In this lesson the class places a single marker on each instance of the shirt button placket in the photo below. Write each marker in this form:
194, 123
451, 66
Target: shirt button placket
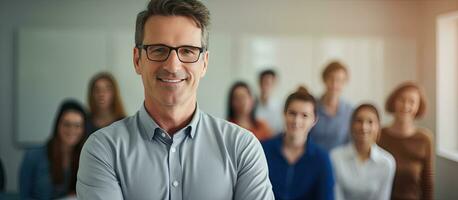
175, 173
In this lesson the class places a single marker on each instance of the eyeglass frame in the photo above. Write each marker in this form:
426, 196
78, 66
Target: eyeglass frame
146, 46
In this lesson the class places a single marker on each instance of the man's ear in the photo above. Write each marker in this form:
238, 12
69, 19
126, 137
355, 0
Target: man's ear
136, 59
206, 58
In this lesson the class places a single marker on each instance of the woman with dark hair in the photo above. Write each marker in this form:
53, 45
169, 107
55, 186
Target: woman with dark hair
49, 172
241, 111
411, 146
298, 168
105, 103
362, 169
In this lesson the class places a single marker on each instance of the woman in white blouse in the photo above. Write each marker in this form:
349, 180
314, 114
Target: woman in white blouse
362, 169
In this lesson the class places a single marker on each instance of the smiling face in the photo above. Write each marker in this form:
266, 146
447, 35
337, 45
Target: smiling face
71, 128
406, 104
299, 119
171, 82
365, 127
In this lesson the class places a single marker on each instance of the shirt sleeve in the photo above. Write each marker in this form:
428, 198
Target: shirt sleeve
96, 176
427, 172
326, 183
25, 175
252, 173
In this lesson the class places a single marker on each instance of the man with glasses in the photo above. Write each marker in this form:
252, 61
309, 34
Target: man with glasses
171, 149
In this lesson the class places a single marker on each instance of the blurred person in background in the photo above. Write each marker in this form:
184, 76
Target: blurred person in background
362, 169
105, 104
298, 168
268, 108
49, 171
411, 146
241, 111
334, 113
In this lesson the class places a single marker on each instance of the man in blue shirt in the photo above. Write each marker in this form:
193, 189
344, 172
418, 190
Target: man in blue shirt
170, 149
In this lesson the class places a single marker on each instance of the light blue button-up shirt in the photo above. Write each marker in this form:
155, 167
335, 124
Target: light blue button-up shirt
332, 131
208, 159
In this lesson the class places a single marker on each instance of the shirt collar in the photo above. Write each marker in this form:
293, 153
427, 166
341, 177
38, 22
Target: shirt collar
152, 128
374, 154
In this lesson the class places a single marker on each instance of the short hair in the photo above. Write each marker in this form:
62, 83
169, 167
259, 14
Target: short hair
389, 105
267, 72
117, 106
333, 67
193, 9
301, 94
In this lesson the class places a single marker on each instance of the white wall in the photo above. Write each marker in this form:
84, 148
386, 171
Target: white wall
404, 30
446, 176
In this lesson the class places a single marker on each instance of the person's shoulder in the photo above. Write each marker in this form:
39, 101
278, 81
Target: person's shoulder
114, 134
319, 151
118, 129
35, 151
36, 154
231, 135
346, 105
424, 134
271, 142
222, 127
385, 156
340, 152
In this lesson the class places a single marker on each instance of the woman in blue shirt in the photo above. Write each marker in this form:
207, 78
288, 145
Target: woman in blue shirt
49, 172
298, 168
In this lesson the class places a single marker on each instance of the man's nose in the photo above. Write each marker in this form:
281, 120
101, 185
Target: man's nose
172, 64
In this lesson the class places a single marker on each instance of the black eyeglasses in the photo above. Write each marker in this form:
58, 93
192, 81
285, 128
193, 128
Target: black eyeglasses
161, 52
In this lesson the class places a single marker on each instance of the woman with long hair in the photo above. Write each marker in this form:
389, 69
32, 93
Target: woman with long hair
362, 169
105, 105
49, 171
411, 146
241, 111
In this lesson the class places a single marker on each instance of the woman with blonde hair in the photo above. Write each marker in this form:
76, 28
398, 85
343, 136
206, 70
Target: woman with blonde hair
105, 103
412, 147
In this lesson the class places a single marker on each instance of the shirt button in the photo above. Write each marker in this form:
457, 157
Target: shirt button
175, 183
163, 134
173, 149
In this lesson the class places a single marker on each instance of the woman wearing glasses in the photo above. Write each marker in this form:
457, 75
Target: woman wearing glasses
49, 172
